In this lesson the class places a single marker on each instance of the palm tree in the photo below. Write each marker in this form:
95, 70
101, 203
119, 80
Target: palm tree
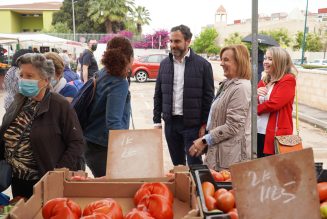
109, 12
141, 16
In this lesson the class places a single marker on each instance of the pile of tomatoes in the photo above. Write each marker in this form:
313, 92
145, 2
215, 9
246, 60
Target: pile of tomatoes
152, 201
220, 199
221, 176
322, 191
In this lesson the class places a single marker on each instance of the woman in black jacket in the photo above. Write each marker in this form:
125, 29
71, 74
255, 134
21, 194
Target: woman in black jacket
39, 131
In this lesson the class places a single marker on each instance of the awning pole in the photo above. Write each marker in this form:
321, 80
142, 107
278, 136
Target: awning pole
254, 80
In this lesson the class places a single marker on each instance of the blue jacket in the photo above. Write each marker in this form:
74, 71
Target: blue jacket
198, 91
69, 75
110, 110
68, 91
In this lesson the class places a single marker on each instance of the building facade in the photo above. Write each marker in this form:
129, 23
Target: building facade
32, 17
293, 22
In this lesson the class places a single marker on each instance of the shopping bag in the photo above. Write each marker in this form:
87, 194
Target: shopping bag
287, 143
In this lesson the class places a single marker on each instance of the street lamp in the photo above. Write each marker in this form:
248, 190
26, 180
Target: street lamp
304, 33
74, 32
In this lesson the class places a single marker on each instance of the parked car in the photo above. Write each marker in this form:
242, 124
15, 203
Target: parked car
147, 67
321, 62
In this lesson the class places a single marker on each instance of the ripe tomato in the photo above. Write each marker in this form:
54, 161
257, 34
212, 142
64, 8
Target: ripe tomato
153, 188
61, 208
226, 202
208, 189
211, 202
106, 206
138, 214
218, 177
226, 174
219, 192
96, 216
322, 191
78, 178
158, 206
233, 215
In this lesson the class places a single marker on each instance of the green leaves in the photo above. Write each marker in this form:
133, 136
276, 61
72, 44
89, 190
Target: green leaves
94, 16
206, 42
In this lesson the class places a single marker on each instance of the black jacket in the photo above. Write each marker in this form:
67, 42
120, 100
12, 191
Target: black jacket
198, 90
56, 136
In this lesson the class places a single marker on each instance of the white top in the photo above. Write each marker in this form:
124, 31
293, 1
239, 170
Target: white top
178, 86
262, 120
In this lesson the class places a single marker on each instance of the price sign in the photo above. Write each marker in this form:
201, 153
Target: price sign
279, 186
135, 154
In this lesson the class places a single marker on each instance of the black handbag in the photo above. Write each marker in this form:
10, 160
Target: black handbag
6, 175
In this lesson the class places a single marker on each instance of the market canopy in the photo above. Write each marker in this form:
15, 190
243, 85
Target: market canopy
34, 38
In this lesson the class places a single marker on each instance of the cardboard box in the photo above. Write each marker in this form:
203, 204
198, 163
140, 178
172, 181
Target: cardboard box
54, 185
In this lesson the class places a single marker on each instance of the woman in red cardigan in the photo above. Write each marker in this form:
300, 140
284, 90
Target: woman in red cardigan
276, 93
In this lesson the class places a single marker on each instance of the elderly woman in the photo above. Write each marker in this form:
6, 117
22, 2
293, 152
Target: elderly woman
276, 93
40, 131
229, 122
111, 105
58, 82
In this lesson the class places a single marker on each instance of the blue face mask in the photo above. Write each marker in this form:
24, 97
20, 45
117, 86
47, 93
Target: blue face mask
53, 82
28, 87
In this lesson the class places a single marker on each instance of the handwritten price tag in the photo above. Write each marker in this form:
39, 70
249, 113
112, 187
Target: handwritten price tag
280, 186
135, 154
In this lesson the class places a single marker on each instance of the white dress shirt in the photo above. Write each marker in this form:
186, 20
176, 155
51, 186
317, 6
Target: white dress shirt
178, 86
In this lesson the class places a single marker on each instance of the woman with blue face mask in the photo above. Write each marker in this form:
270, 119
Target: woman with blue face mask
40, 131
58, 82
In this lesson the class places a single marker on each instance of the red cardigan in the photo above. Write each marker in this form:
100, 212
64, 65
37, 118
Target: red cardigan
281, 102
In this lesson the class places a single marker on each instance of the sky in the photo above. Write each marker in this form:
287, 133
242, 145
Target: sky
165, 14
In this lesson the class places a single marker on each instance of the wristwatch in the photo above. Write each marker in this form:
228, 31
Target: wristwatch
204, 141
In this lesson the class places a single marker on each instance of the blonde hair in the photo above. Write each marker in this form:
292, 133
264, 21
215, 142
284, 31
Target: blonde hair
242, 59
57, 61
281, 64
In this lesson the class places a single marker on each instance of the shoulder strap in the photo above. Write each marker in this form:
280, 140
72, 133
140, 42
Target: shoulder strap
297, 113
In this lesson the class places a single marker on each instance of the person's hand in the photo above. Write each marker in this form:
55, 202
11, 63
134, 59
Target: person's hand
202, 131
262, 91
197, 148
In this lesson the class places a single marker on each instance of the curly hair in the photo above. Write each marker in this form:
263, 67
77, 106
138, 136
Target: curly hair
117, 56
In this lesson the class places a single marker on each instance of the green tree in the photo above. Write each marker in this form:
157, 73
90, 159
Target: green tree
206, 41
234, 38
59, 27
280, 35
83, 23
110, 12
141, 17
313, 42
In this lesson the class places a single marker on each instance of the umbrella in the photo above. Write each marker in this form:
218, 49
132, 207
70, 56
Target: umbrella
262, 40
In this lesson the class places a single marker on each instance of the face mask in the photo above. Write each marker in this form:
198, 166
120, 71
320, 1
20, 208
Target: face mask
94, 47
28, 87
53, 82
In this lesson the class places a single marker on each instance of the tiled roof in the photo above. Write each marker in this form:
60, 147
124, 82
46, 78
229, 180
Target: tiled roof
322, 10
34, 6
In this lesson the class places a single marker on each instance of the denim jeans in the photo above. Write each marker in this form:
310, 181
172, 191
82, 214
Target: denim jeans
179, 140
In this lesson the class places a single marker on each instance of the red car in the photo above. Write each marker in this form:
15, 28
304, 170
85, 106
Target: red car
147, 67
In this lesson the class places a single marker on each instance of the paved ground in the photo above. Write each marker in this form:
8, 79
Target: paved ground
142, 105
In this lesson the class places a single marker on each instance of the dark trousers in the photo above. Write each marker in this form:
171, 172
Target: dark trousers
179, 140
96, 159
24, 188
260, 146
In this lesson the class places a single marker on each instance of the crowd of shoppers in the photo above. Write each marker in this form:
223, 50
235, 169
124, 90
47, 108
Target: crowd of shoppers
198, 122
